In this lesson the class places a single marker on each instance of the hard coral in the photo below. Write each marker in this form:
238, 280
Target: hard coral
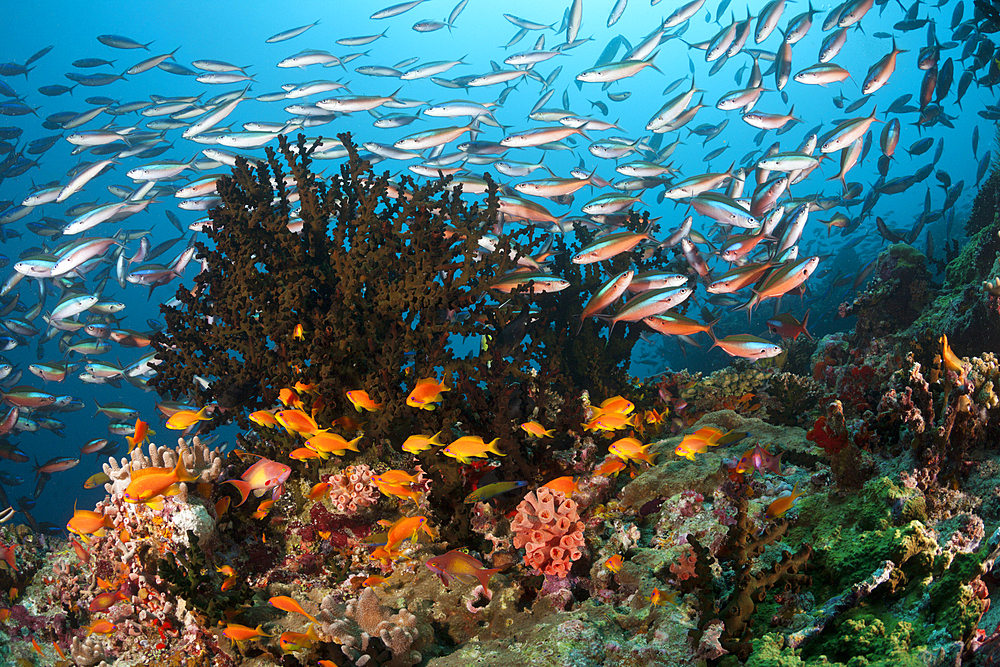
548, 526
352, 490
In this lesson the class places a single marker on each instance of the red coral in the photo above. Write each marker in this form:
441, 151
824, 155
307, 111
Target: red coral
829, 439
547, 525
684, 568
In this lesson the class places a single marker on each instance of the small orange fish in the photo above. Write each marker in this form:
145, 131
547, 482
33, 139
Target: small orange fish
262, 509
81, 551
140, 436
360, 399
86, 522
288, 398
327, 444
184, 419
777, 508
426, 394
471, 446
372, 580
285, 603
614, 563
305, 387
566, 485
264, 418
537, 430
241, 633
105, 601
299, 332
4, 615
59, 651
298, 641
611, 466
296, 421
615, 404
407, 528
457, 564
231, 576
38, 649
304, 454
318, 489
421, 443
152, 482
102, 627
222, 505
630, 449
659, 598
611, 421
698, 442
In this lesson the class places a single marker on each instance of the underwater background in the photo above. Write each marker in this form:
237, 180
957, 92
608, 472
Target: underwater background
688, 359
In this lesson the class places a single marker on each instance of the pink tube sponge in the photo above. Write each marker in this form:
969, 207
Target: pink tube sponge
548, 526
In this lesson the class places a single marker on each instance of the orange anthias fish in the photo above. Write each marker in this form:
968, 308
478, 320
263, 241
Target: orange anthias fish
102, 627
537, 430
566, 485
614, 563
658, 598
241, 633
140, 436
264, 418
285, 603
262, 509
698, 442
318, 489
86, 522
327, 444
298, 641
611, 466
611, 421
459, 565
263, 475
299, 332
289, 398
184, 419
471, 446
304, 454
360, 399
150, 483
421, 443
616, 404
426, 394
783, 504
630, 449
231, 576
105, 601
296, 421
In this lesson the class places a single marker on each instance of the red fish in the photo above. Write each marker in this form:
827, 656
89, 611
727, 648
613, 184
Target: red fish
786, 326
459, 565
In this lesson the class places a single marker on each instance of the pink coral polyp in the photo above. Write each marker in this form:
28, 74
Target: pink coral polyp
548, 527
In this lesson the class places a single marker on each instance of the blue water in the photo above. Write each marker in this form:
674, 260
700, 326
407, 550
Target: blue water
235, 32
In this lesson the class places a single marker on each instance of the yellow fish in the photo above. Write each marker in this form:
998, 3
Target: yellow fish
630, 449
421, 443
537, 430
426, 394
777, 509
183, 419
698, 442
360, 399
150, 483
296, 421
326, 443
471, 446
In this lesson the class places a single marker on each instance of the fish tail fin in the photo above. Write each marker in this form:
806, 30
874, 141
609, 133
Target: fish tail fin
181, 472
242, 487
805, 323
435, 439
485, 574
492, 447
